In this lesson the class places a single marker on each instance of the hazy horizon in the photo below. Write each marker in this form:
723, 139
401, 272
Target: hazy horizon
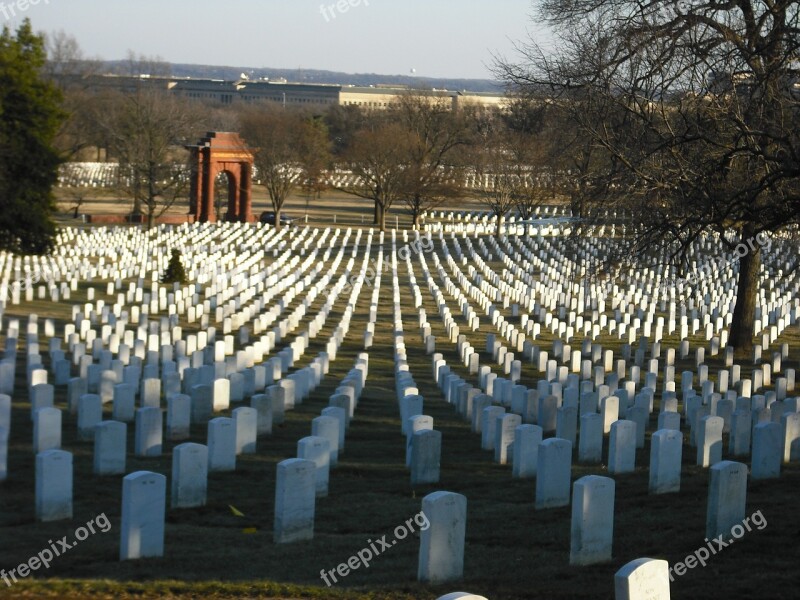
440, 39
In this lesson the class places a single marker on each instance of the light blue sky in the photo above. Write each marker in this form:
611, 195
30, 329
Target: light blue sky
438, 38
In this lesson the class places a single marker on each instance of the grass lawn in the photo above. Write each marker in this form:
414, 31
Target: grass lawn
512, 551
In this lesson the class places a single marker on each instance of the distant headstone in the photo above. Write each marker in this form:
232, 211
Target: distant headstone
124, 402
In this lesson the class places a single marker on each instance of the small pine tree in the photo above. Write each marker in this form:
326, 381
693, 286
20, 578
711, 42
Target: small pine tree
175, 272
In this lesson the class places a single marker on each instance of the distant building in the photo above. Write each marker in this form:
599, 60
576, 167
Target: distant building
221, 92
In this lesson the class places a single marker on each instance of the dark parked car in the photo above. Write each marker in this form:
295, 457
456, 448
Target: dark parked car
268, 218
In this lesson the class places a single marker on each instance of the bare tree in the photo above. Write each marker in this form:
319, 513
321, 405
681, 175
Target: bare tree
146, 132
290, 149
435, 131
495, 173
69, 69
314, 155
694, 107
77, 196
377, 157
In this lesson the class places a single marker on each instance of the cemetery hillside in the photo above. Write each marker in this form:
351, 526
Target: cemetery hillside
278, 339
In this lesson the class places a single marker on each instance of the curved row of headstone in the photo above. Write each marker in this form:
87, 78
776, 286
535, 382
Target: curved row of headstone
192, 340
301, 480
718, 323
90, 411
423, 442
782, 384
89, 174
186, 493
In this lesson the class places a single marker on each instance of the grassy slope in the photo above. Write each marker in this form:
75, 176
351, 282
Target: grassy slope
512, 550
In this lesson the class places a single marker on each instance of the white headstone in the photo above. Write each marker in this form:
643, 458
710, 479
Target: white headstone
489, 425
179, 417
767, 451
189, 475
791, 440
124, 402
144, 501
53, 485
553, 473
622, 447
151, 393
263, 407
149, 432
592, 530
317, 450
526, 451
666, 446
642, 579
328, 428
709, 441
221, 445
110, 447
340, 415
277, 396
505, 428
426, 450
90, 413
416, 423
727, 495
590, 440
441, 543
245, 420
221, 395
295, 496
46, 429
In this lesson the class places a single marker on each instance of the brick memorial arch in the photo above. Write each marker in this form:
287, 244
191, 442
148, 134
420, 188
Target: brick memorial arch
221, 152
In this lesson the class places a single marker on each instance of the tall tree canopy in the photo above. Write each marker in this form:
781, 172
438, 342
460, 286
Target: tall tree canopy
694, 107
30, 117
